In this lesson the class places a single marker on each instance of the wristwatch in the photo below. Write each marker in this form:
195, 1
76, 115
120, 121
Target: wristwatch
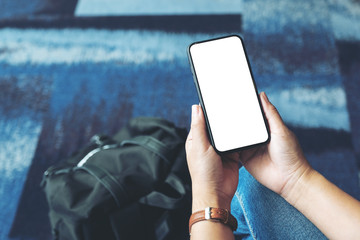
214, 214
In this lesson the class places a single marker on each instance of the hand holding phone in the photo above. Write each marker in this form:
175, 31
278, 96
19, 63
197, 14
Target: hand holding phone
228, 94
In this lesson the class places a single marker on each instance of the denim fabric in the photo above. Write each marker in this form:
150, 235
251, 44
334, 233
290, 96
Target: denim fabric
263, 214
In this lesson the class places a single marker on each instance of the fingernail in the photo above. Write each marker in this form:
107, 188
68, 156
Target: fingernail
266, 98
194, 112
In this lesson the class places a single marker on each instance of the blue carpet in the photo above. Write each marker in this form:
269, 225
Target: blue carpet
61, 86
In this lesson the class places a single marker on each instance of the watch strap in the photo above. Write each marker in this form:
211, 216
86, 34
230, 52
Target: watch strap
214, 214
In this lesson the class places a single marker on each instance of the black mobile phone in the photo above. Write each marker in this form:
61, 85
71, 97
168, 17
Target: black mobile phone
228, 94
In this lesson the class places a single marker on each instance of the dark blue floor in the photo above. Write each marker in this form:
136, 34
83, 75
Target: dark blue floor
61, 86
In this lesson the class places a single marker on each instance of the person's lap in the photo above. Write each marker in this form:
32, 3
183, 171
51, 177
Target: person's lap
263, 214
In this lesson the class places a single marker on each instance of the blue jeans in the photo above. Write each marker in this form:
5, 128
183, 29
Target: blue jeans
263, 214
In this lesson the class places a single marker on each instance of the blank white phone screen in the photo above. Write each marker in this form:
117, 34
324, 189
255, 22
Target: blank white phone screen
228, 93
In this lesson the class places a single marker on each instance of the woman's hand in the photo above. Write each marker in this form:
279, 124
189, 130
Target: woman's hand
277, 165
280, 164
214, 178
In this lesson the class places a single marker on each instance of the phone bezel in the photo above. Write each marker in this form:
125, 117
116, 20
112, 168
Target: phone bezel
203, 104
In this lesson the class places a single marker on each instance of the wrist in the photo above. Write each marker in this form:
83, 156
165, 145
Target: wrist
200, 202
298, 185
219, 215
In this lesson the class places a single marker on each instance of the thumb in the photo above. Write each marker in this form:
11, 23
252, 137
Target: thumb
198, 129
275, 121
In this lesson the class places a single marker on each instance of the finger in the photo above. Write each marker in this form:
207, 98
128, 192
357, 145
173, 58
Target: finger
275, 121
198, 128
188, 142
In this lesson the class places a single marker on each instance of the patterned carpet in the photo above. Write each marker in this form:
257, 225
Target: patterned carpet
59, 86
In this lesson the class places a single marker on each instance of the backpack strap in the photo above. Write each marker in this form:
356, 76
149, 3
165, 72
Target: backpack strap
162, 200
150, 143
107, 180
156, 198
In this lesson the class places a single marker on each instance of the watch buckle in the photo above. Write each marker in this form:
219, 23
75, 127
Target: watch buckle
208, 213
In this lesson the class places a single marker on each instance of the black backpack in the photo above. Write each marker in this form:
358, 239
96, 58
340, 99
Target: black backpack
134, 185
